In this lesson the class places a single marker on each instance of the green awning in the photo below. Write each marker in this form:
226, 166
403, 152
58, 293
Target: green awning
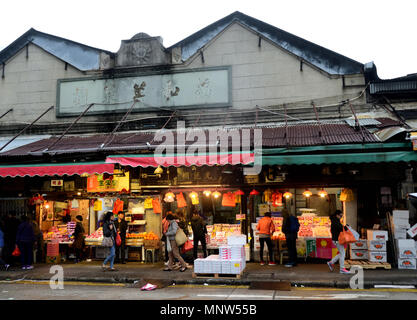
306, 159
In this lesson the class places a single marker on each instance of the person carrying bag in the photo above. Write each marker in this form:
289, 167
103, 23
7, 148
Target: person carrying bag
172, 246
109, 240
337, 230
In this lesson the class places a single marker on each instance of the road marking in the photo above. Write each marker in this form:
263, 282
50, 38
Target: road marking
71, 283
234, 296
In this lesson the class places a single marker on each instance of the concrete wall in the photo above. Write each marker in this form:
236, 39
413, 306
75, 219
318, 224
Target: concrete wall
29, 86
269, 75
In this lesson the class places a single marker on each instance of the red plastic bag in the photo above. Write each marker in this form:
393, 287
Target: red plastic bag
156, 205
118, 240
16, 252
118, 206
188, 245
346, 236
229, 199
181, 203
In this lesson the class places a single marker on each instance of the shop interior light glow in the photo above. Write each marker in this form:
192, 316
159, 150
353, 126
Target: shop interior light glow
207, 193
47, 205
287, 195
159, 170
307, 193
193, 195
322, 193
216, 194
169, 197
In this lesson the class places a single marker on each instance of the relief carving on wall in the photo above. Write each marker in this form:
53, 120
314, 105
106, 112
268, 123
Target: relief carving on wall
138, 90
169, 91
142, 54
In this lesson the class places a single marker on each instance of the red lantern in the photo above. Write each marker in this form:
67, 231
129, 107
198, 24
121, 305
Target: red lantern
254, 192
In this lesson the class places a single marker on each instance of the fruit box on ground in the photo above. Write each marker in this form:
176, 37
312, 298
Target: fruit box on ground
377, 234
359, 245
359, 254
406, 249
377, 245
377, 256
406, 263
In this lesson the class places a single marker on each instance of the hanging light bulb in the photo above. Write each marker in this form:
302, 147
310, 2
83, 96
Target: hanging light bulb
216, 194
307, 193
47, 205
193, 195
322, 193
159, 170
287, 195
169, 197
207, 193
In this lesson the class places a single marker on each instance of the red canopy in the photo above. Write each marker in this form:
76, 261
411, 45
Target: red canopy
59, 169
181, 160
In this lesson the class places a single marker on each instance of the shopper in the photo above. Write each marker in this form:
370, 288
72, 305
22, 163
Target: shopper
39, 243
266, 228
25, 239
11, 224
290, 227
173, 251
2, 262
109, 230
335, 228
79, 239
199, 234
121, 227
165, 225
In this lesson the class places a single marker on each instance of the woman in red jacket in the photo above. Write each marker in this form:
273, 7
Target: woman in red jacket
266, 228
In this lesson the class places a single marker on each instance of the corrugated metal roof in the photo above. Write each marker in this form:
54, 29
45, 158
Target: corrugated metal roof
363, 122
392, 86
298, 135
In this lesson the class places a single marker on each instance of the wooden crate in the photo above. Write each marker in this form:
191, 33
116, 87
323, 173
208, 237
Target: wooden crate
151, 244
367, 264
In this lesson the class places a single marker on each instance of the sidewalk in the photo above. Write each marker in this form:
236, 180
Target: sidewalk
308, 275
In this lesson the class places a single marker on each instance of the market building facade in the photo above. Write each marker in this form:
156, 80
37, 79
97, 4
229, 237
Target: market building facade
309, 114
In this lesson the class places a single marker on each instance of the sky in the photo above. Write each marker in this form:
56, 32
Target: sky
381, 31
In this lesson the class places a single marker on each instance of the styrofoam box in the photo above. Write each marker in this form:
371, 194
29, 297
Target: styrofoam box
236, 240
401, 223
400, 235
402, 214
406, 263
377, 245
359, 254
406, 249
199, 265
359, 245
377, 234
405, 243
377, 256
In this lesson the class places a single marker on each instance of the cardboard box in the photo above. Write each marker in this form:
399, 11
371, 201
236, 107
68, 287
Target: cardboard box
359, 254
359, 245
407, 253
151, 244
406, 263
237, 240
377, 256
412, 232
401, 214
377, 234
405, 243
377, 245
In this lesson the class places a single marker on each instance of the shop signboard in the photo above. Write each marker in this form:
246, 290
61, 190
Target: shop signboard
57, 183
97, 183
311, 248
324, 248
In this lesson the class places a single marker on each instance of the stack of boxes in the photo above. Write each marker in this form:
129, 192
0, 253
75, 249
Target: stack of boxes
377, 245
406, 247
231, 258
359, 250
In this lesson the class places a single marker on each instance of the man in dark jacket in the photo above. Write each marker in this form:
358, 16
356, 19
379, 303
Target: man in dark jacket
11, 223
290, 228
79, 239
121, 226
25, 238
199, 234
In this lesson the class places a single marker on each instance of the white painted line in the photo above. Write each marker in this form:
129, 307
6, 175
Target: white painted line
233, 296
394, 286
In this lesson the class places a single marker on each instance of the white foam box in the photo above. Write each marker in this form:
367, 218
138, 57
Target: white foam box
359, 245
377, 245
406, 249
401, 214
412, 232
401, 223
199, 265
377, 256
406, 263
359, 254
377, 234
236, 266
239, 240
226, 267
400, 234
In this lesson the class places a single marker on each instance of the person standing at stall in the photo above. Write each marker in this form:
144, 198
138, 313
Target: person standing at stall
79, 242
266, 228
109, 230
336, 228
11, 224
2, 262
173, 251
199, 234
290, 227
121, 227
25, 239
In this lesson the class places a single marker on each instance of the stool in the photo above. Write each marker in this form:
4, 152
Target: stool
282, 253
152, 252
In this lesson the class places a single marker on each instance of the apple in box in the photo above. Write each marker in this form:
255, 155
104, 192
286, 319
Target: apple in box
359, 245
406, 263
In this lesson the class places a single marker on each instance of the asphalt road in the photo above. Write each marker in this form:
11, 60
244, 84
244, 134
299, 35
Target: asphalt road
92, 291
